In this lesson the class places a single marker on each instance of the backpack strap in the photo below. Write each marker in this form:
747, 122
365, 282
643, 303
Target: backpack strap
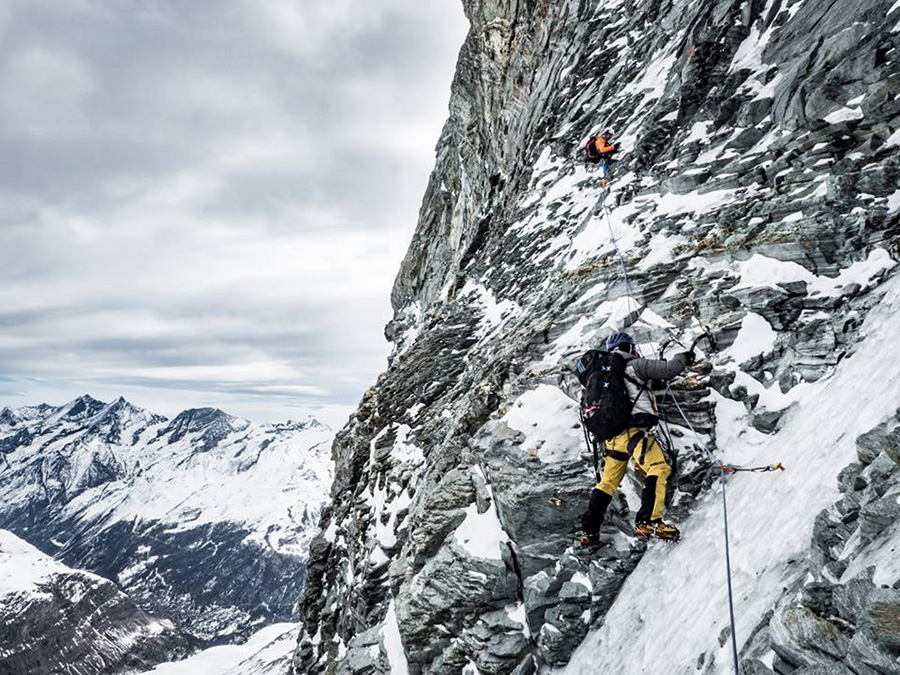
591, 443
642, 387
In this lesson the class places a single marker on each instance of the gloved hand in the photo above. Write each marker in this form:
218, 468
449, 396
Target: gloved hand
689, 357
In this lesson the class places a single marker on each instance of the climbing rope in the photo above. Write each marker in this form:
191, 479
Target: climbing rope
722, 474
629, 296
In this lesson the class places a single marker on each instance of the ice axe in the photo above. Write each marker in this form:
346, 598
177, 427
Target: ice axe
705, 335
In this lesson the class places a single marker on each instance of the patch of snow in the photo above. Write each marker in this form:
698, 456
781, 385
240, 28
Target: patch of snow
893, 140
756, 336
691, 202
749, 53
330, 532
495, 313
393, 643
470, 669
655, 75
662, 248
516, 613
761, 271
699, 131
583, 579
651, 318
711, 155
591, 292
572, 338
893, 201
843, 115
404, 451
595, 239
764, 91
544, 414
481, 534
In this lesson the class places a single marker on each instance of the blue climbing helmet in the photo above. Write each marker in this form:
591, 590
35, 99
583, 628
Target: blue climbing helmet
616, 340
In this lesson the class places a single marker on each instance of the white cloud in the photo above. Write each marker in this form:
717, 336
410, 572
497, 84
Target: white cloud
44, 93
211, 199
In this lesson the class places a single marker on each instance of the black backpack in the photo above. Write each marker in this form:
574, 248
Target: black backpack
605, 404
592, 154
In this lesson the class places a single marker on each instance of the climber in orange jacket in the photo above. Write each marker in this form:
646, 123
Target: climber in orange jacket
600, 151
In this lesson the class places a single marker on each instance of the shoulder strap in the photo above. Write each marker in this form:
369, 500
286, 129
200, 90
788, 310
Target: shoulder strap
641, 387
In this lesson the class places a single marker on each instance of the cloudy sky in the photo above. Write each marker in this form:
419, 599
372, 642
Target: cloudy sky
205, 202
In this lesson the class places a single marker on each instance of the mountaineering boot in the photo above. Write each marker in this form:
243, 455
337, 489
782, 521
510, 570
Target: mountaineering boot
658, 529
587, 540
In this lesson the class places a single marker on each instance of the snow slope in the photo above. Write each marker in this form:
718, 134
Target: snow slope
267, 652
673, 607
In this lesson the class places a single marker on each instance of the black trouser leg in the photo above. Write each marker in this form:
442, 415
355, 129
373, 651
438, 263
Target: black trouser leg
648, 499
593, 517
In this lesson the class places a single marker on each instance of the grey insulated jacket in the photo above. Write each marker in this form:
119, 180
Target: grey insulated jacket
644, 371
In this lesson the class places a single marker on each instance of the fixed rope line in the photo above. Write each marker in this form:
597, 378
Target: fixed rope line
734, 651
628, 294
722, 473
731, 468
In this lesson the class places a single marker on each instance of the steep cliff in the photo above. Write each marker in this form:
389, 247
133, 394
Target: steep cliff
757, 194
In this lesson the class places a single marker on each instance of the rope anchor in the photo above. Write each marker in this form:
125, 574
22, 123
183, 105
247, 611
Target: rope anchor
729, 469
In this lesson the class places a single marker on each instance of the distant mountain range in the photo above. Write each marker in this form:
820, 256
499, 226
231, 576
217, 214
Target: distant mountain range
203, 520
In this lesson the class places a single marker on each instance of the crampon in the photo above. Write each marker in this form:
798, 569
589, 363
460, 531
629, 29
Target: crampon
657, 529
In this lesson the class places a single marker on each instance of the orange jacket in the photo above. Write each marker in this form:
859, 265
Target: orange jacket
603, 146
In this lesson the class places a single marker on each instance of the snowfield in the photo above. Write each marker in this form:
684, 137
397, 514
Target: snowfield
267, 652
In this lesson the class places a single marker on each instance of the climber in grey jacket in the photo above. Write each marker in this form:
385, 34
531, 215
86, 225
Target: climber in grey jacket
638, 443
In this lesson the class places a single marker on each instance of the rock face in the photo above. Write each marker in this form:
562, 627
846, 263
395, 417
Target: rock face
204, 519
54, 619
756, 194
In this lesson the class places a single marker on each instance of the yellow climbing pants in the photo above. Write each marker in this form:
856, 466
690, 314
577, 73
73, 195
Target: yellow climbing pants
649, 460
